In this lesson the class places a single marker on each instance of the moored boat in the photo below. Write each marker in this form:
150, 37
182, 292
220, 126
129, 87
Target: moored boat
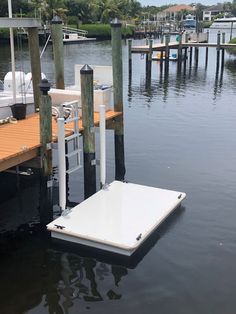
224, 23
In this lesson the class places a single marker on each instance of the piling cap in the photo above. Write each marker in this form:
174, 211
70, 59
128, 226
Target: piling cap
86, 69
116, 23
56, 20
44, 86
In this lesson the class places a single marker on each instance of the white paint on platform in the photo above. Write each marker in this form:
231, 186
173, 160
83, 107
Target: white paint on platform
117, 219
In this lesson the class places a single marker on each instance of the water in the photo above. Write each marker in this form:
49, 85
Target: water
179, 134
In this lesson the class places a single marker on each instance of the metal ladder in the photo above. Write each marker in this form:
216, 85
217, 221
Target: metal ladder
67, 112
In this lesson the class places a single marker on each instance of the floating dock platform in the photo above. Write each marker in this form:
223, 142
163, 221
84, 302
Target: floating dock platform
118, 218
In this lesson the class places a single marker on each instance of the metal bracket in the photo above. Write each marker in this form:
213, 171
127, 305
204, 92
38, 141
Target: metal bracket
50, 184
49, 146
54, 145
93, 162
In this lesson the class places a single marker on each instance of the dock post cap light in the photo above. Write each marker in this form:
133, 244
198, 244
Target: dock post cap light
115, 23
44, 86
56, 20
86, 69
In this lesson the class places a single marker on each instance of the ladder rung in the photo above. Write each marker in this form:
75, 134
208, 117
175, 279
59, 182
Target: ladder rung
71, 137
75, 152
69, 171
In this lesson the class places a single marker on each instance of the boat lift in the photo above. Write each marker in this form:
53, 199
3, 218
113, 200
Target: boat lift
120, 216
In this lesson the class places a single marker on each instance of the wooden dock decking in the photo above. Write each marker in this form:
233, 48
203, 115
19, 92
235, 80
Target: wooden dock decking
20, 142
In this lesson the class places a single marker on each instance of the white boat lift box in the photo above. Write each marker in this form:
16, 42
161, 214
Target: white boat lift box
118, 218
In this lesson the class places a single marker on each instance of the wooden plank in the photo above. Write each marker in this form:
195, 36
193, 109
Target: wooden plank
11, 162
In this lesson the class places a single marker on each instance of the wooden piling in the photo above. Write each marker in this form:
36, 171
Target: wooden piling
196, 56
45, 116
190, 56
118, 98
58, 51
231, 31
35, 64
186, 37
162, 40
130, 55
86, 75
167, 40
149, 59
218, 50
223, 51
180, 48
206, 58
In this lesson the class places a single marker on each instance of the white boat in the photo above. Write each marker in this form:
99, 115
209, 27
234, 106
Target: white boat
23, 95
224, 23
75, 36
71, 38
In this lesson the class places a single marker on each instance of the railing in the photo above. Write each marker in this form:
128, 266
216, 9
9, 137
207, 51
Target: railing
71, 30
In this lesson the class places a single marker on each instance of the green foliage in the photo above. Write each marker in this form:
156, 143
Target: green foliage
97, 30
104, 30
232, 51
4, 33
206, 24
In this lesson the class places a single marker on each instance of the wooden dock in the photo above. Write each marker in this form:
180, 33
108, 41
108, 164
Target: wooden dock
20, 142
145, 49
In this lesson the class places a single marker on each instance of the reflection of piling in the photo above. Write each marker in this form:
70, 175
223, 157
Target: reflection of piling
35, 64
58, 51
118, 98
86, 74
218, 50
45, 114
130, 55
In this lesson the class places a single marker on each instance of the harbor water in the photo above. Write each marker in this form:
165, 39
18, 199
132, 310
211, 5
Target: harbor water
179, 134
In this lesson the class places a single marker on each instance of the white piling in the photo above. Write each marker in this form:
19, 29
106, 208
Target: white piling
61, 163
102, 129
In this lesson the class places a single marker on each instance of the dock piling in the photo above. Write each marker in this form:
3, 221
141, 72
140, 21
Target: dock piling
190, 56
149, 60
35, 64
58, 51
118, 98
130, 55
180, 49
45, 114
223, 51
218, 50
167, 40
86, 75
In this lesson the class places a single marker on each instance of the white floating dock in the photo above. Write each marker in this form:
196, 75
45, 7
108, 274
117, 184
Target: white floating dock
117, 219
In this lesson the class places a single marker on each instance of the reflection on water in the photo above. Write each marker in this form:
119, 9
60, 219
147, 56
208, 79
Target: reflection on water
179, 134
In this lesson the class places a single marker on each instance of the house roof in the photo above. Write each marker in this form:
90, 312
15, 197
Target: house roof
178, 8
215, 8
